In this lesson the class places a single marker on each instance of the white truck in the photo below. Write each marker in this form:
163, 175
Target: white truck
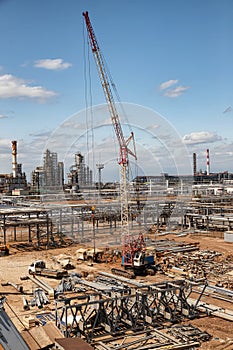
38, 267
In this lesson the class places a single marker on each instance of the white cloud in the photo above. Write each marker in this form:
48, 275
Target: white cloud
177, 91
167, 84
5, 143
11, 86
152, 127
41, 134
201, 137
2, 116
227, 110
52, 64
29, 155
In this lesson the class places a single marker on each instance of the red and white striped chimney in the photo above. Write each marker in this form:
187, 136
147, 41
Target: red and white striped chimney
207, 162
14, 157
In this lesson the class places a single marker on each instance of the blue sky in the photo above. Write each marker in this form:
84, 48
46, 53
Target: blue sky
170, 56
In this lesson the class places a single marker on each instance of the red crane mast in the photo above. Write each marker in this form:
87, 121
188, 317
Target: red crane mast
129, 245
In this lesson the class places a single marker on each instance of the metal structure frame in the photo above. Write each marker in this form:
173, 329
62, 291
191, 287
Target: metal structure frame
94, 313
144, 340
48, 223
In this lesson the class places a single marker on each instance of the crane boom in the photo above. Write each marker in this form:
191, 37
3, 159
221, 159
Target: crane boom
124, 150
123, 143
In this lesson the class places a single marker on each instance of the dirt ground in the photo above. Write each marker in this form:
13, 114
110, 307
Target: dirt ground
16, 264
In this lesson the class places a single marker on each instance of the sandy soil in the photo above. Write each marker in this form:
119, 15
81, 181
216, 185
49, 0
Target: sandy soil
15, 266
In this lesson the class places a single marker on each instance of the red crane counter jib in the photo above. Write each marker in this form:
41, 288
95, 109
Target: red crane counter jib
124, 150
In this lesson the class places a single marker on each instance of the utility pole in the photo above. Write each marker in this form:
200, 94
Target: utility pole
99, 167
93, 228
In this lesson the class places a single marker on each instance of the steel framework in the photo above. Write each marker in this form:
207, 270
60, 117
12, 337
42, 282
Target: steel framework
144, 340
153, 305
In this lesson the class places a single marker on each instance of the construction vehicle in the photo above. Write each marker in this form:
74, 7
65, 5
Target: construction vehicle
64, 261
136, 261
142, 265
89, 254
4, 249
38, 267
130, 244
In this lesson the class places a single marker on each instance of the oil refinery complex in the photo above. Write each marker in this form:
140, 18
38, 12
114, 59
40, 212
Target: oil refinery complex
46, 178
50, 178
146, 263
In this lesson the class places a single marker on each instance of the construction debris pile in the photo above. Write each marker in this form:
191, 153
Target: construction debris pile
171, 246
203, 264
148, 340
188, 333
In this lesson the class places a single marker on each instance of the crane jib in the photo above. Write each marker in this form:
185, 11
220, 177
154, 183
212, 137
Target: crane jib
107, 83
123, 156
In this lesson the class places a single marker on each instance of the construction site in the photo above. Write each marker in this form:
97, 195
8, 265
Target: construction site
170, 281
144, 264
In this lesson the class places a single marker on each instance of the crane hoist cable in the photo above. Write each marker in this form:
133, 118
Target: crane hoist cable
124, 150
88, 103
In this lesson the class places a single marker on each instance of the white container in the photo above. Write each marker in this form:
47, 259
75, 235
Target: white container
228, 236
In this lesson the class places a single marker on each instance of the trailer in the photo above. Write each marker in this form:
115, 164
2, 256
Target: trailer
38, 267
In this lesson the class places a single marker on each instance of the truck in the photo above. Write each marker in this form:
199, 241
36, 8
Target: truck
89, 254
38, 267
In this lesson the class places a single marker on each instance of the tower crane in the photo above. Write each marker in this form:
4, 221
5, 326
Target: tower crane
130, 245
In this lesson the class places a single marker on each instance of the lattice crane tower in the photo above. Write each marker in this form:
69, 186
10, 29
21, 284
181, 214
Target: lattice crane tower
124, 151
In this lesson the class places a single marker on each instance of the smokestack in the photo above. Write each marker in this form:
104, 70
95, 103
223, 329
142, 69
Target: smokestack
194, 164
14, 158
207, 162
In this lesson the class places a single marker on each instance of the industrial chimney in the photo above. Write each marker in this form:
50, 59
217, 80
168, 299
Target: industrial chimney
14, 158
207, 162
194, 164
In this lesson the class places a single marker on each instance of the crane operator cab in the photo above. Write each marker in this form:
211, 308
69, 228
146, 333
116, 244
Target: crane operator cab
139, 259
